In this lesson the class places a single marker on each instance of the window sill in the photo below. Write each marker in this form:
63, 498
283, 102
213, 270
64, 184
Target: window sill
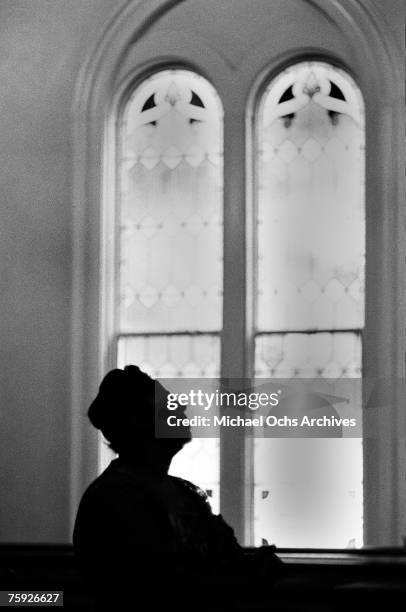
359, 557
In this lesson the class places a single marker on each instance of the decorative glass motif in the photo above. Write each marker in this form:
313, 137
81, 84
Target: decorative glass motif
172, 356
310, 295
301, 355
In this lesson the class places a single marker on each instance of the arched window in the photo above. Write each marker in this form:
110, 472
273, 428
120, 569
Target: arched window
310, 294
310, 269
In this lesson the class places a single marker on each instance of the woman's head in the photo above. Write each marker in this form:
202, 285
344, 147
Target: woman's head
125, 409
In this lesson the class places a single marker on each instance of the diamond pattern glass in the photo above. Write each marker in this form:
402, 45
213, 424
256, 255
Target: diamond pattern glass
301, 355
172, 356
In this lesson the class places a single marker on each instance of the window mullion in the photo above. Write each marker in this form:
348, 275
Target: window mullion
234, 354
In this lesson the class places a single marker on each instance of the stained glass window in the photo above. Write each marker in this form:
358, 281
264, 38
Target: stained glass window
169, 289
310, 294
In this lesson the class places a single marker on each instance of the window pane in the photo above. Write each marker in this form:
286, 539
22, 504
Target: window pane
171, 241
311, 252
171, 206
311, 218
178, 356
308, 492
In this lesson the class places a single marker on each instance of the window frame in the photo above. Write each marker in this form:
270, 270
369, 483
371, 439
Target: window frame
112, 65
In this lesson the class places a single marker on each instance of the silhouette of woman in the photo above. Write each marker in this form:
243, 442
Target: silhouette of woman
144, 538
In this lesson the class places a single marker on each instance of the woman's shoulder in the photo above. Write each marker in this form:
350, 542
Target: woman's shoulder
117, 502
193, 490
117, 490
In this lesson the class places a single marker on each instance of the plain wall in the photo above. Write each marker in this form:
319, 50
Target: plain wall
43, 44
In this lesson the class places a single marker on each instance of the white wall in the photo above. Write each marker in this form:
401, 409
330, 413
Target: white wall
43, 44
